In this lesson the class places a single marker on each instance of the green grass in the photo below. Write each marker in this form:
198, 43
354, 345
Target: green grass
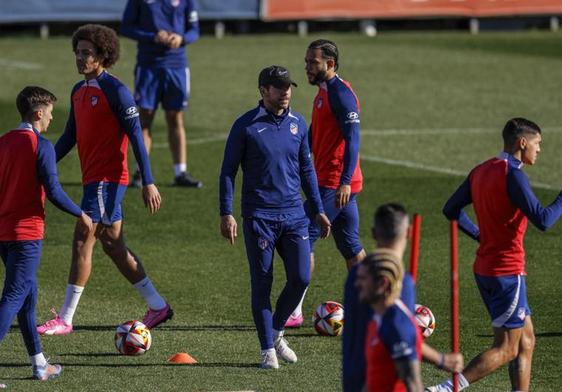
437, 100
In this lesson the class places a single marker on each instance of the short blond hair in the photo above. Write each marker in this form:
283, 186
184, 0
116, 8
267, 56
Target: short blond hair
386, 263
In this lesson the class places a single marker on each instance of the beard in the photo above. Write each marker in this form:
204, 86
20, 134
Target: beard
319, 78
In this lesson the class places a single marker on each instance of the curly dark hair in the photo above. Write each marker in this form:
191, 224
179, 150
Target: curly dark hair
103, 38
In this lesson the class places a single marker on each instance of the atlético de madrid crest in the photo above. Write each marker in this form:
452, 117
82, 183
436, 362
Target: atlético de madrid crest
319, 103
263, 243
94, 100
294, 128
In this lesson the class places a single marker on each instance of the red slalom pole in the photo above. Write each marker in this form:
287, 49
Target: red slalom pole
455, 338
415, 246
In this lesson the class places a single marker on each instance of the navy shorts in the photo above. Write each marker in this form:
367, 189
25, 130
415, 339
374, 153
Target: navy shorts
345, 223
102, 201
505, 298
159, 84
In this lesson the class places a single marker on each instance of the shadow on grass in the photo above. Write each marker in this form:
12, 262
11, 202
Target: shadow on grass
537, 335
174, 328
90, 355
307, 335
226, 364
125, 365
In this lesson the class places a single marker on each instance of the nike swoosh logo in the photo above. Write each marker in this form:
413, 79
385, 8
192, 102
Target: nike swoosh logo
305, 237
261, 130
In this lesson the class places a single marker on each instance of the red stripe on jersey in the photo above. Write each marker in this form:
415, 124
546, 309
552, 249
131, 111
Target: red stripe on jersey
328, 145
22, 197
381, 371
502, 225
102, 143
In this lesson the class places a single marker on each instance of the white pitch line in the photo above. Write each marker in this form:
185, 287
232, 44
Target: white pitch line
194, 142
373, 158
434, 169
438, 131
20, 64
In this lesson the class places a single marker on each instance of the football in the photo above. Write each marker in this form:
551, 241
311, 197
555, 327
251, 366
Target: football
328, 319
425, 320
132, 338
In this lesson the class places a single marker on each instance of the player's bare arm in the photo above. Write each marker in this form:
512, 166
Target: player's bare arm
450, 362
409, 372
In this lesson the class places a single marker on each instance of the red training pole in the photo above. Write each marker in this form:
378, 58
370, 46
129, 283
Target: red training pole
415, 246
455, 339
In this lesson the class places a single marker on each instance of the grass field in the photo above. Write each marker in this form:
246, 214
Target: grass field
433, 106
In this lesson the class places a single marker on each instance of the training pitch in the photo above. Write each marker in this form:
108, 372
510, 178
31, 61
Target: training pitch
433, 106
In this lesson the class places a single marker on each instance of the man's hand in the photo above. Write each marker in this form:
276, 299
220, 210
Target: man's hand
162, 37
228, 228
174, 40
85, 224
343, 194
453, 362
151, 197
325, 225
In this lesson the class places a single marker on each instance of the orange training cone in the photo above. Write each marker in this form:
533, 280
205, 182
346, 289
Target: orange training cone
182, 358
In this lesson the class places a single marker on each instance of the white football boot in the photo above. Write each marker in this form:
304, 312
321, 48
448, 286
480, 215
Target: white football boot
282, 349
269, 359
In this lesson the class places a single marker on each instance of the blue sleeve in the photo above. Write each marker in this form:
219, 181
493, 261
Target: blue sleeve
191, 24
47, 170
309, 182
310, 138
124, 108
357, 317
344, 106
233, 154
453, 210
408, 294
130, 26
521, 194
398, 334
68, 138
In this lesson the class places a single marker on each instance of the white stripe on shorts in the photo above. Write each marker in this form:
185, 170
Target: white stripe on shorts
501, 320
103, 216
187, 81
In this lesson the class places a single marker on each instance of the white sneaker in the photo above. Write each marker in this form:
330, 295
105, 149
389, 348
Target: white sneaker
283, 351
269, 360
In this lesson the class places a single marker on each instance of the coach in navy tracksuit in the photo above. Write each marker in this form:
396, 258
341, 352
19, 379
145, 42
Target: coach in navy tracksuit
271, 144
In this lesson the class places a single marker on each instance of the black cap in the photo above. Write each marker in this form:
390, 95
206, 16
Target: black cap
275, 76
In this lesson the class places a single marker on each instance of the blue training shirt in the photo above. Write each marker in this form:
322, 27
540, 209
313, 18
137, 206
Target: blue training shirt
47, 170
142, 19
357, 318
275, 158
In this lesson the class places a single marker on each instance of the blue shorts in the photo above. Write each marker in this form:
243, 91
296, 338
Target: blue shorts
345, 223
505, 298
102, 201
159, 84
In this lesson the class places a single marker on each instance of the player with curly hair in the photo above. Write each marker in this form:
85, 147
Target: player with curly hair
103, 119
